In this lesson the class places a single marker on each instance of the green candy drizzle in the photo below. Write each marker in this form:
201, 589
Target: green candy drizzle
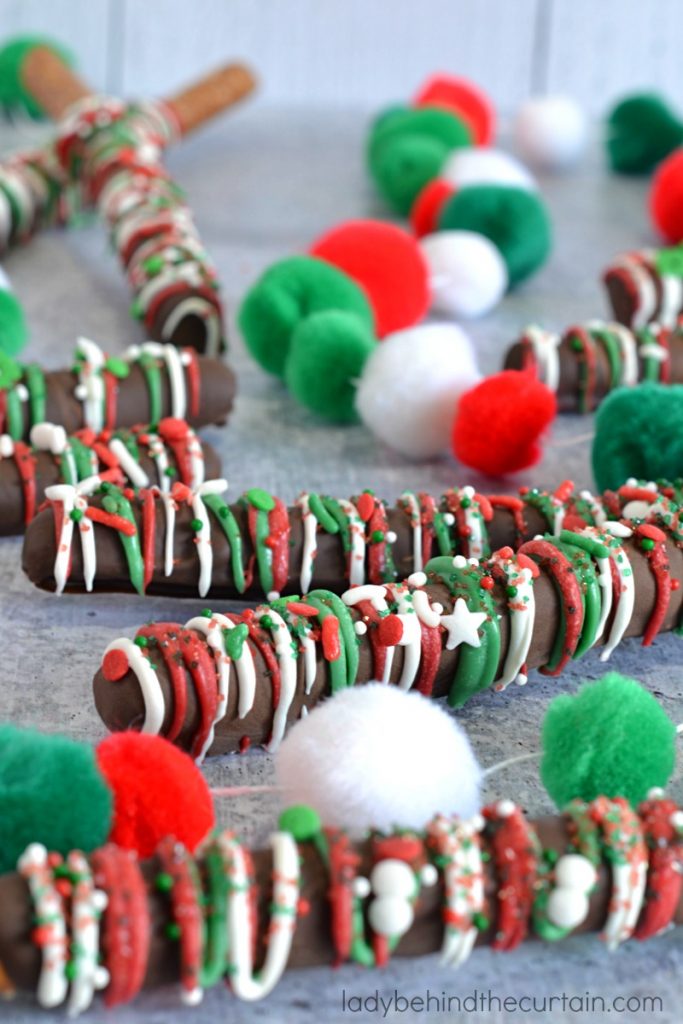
150, 367
34, 378
116, 503
228, 524
215, 924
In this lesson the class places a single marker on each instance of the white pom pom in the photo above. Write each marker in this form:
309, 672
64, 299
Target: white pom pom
480, 165
467, 274
375, 756
550, 131
5, 283
411, 384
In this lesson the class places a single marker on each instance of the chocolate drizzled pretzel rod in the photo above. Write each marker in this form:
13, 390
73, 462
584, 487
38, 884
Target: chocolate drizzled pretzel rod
316, 898
147, 383
258, 547
589, 360
646, 286
223, 682
33, 195
140, 457
113, 150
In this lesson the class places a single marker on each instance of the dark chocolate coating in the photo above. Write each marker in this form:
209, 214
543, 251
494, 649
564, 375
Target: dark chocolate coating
568, 389
120, 704
312, 944
190, 332
217, 392
330, 570
48, 473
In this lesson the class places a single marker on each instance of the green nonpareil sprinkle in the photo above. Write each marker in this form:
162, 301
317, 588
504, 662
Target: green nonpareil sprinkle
234, 640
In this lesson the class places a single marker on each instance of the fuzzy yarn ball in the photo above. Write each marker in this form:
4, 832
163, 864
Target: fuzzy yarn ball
550, 132
51, 792
375, 756
387, 264
642, 130
14, 95
158, 791
467, 274
465, 99
639, 433
13, 326
486, 167
612, 739
326, 359
500, 422
426, 210
286, 294
666, 198
408, 147
514, 219
411, 384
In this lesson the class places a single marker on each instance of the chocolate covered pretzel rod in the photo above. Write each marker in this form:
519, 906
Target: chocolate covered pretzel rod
223, 682
140, 458
113, 150
258, 547
589, 360
646, 286
33, 195
75, 927
147, 383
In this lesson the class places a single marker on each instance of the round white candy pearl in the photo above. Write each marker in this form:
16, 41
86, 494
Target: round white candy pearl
429, 875
390, 915
361, 887
567, 908
574, 871
48, 437
393, 877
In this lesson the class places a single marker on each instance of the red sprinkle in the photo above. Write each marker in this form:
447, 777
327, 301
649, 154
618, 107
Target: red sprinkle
390, 631
365, 506
486, 583
300, 608
116, 522
114, 666
330, 638
245, 743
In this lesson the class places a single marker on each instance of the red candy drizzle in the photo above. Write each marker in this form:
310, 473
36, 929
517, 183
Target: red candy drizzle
516, 865
653, 544
561, 570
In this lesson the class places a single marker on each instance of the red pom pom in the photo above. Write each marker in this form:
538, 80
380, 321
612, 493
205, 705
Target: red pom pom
424, 215
666, 197
158, 791
387, 263
499, 422
463, 98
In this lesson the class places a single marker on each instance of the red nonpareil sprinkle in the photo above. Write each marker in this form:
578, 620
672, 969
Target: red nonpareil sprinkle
486, 583
114, 666
181, 492
651, 532
627, 493
505, 552
303, 907
104, 454
330, 638
172, 429
675, 584
111, 519
365, 506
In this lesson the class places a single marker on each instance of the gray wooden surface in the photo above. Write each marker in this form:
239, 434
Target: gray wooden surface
264, 183
345, 53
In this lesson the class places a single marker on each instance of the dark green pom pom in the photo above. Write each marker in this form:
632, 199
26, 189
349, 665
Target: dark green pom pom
641, 131
326, 359
611, 739
514, 219
13, 94
51, 792
639, 433
408, 148
13, 328
286, 294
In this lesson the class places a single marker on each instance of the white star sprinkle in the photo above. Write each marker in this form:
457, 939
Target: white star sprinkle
462, 625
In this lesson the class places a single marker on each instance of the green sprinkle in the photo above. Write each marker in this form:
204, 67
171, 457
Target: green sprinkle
480, 922
118, 367
196, 525
173, 931
647, 544
171, 471
76, 514
377, 536
234, 639
164, 881
153, 265
511, 591
260, 499
110, 504
141, 641
207, 613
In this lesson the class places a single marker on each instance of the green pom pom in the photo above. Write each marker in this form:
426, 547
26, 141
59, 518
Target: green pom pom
326, 359
286, 294
514, 219
13, 94
611, 739
13, 328
51, 792
407, 149
639, 433
301, 821
641, 131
